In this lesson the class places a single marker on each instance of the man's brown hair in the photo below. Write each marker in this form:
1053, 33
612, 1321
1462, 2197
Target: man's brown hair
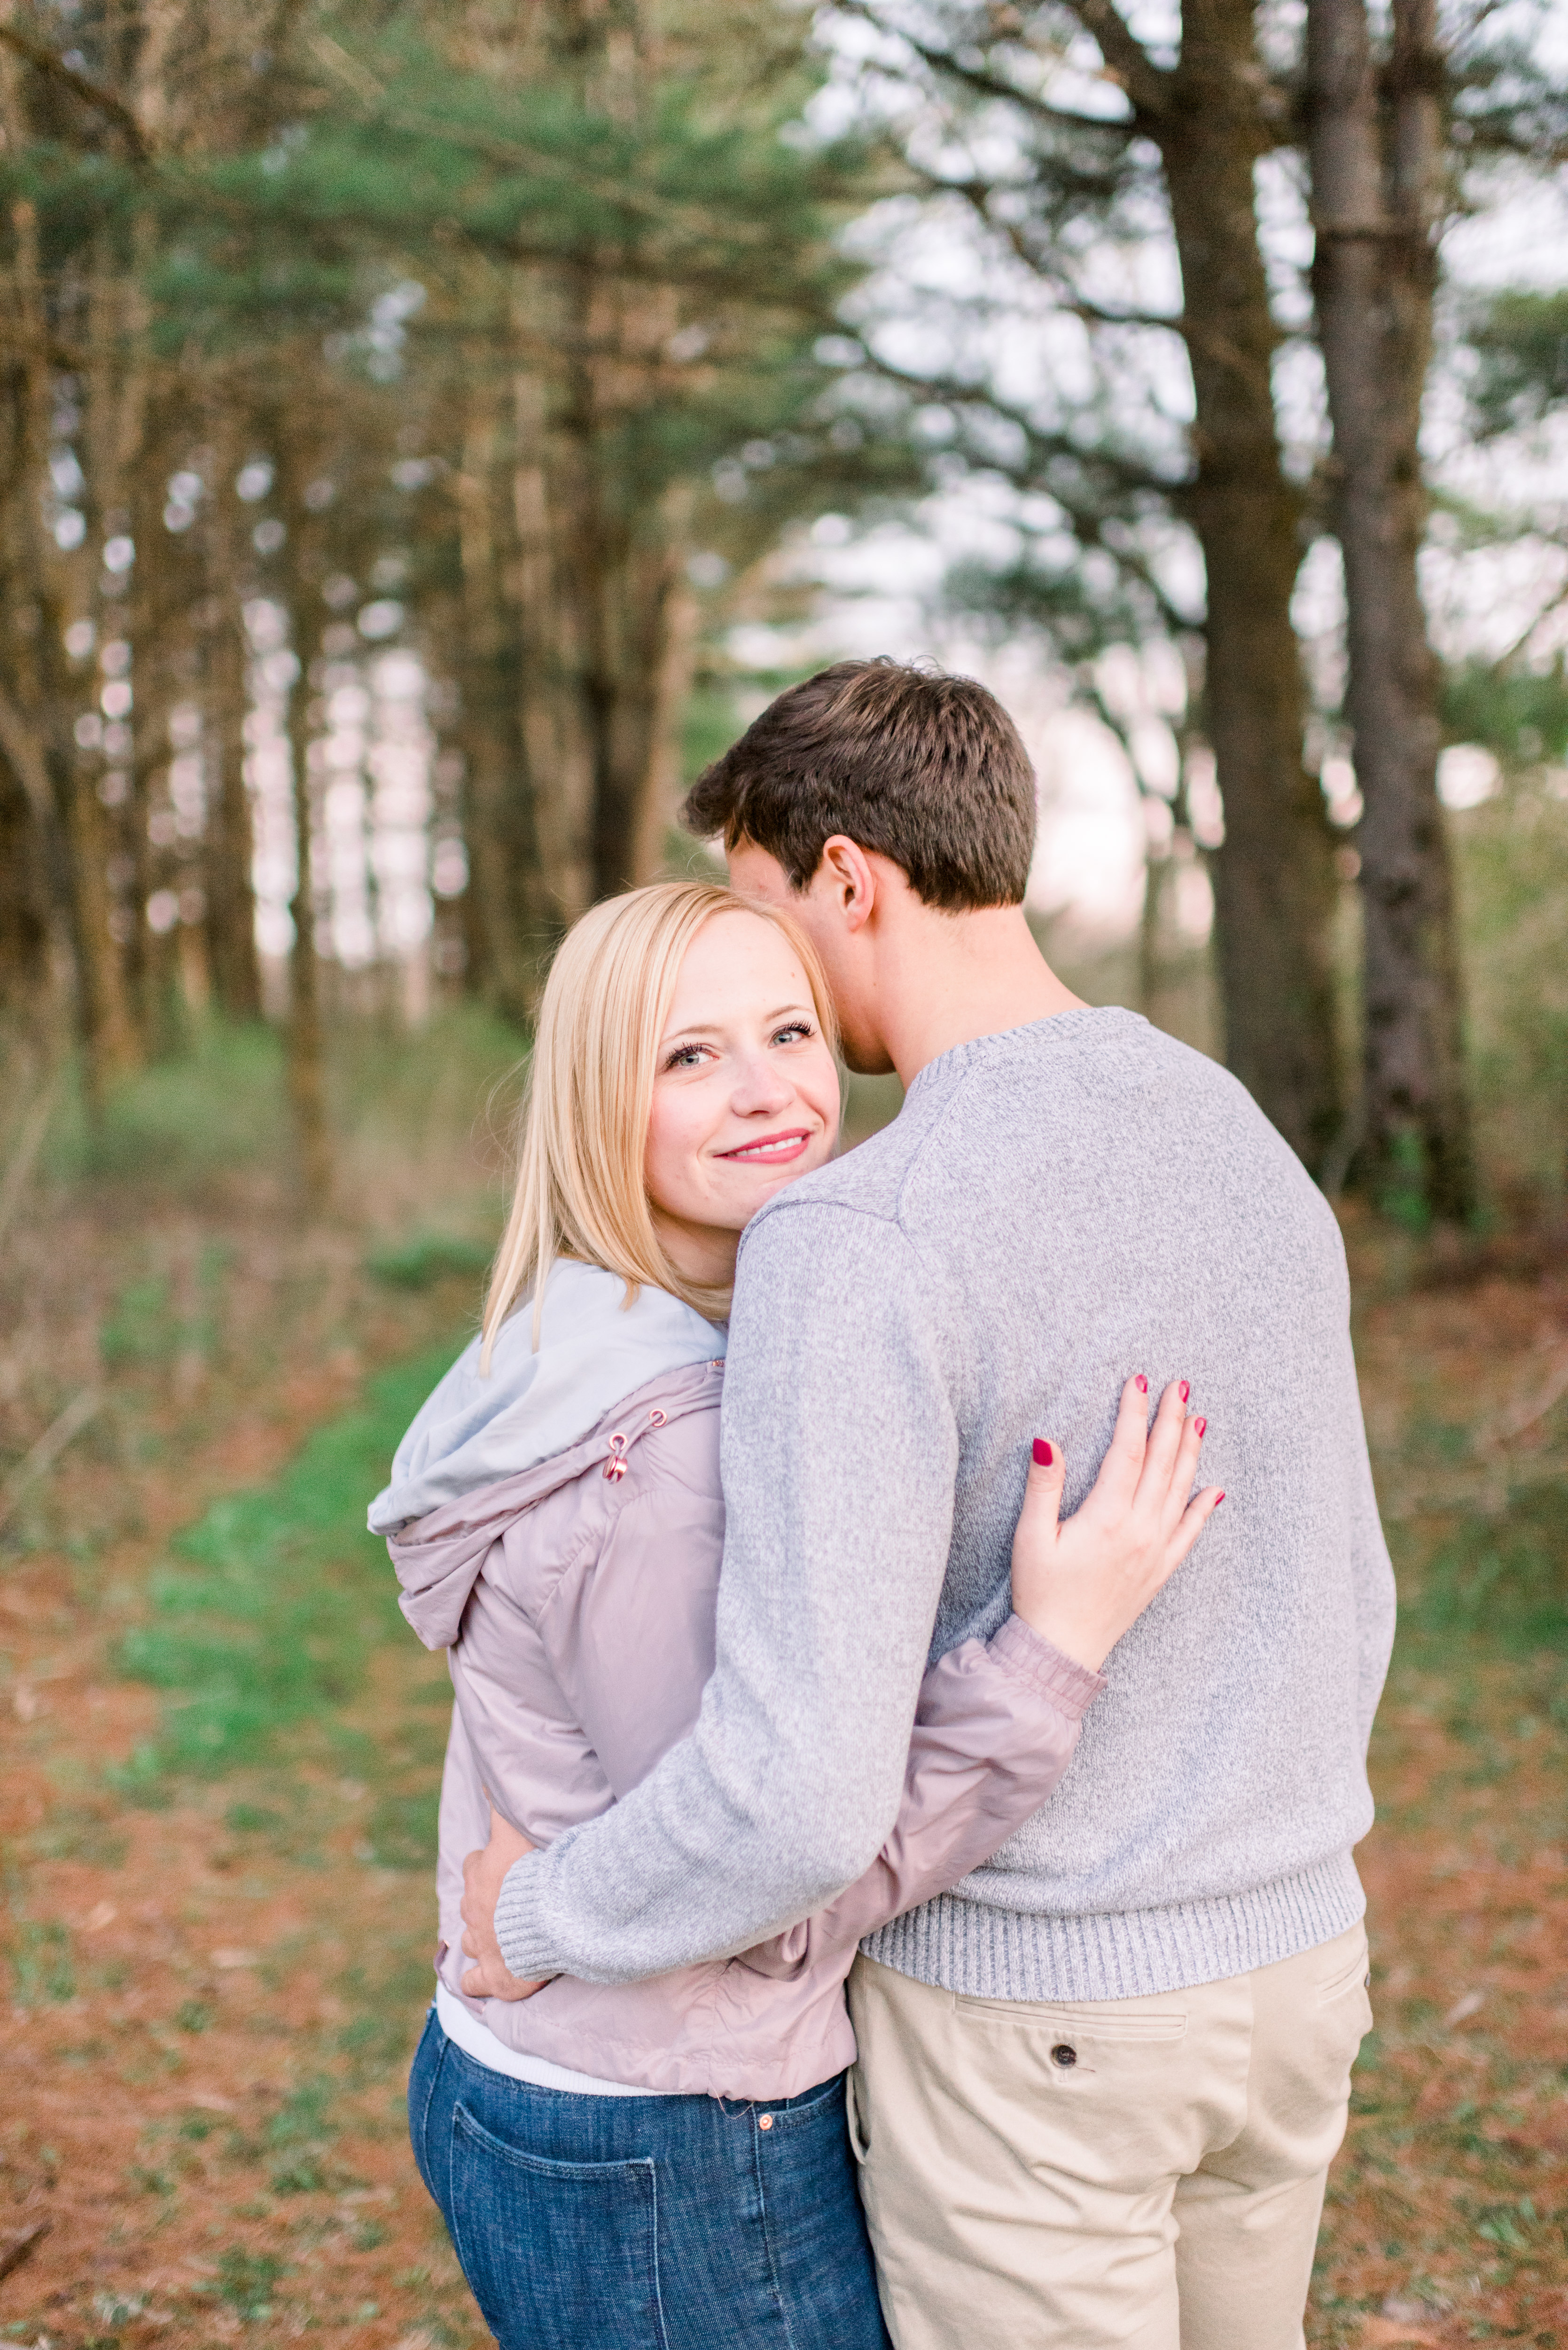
927, 769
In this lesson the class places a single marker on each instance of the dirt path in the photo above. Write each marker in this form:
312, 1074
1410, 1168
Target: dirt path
215, 1979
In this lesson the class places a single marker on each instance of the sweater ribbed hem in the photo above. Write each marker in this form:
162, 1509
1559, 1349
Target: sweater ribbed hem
966, 1946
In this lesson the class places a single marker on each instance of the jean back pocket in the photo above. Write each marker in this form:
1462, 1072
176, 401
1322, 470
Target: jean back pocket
559, 2255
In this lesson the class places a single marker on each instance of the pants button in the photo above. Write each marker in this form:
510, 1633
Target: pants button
1062, 2054
766, 2121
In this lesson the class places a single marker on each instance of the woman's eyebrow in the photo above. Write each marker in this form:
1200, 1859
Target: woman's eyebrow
690, 1031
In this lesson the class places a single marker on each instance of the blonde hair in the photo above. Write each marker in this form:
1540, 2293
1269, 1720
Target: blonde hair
583, 1128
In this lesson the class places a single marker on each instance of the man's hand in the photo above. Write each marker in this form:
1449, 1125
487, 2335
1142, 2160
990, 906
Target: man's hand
483, 1876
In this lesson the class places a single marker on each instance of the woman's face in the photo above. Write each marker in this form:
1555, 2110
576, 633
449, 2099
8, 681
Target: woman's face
745, 1092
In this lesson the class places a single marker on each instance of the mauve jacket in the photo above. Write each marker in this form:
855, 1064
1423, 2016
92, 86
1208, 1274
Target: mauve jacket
576, 1605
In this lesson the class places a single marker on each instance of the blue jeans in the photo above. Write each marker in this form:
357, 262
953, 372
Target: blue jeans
646, 2223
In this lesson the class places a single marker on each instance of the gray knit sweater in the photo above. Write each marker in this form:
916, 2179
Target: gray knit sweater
1055, 1208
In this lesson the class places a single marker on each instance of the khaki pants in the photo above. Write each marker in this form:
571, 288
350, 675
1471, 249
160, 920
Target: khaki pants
1142, 2172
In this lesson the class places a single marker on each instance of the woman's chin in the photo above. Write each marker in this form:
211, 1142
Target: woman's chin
747, 1196
734, 1197
773, 1180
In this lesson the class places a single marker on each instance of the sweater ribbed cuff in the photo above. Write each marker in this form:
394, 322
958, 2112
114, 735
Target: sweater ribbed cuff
518, 1926
1072, 1688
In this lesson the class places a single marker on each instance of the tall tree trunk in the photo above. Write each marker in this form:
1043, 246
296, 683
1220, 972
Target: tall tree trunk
228, 847
110, 931
77, 842
639, 609
24, 905
1275, 882
671, 662
557, 521
305, 1046
153, 617
38, 922
1376, 192
505, 926
608, 616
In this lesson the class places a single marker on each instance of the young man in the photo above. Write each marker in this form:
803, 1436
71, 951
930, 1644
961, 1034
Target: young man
1101, 2080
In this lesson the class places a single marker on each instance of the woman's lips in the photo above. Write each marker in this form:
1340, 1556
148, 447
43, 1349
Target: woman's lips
770, 1149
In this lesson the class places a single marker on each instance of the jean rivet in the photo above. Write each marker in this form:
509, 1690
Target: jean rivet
766, 2121
1062, 2054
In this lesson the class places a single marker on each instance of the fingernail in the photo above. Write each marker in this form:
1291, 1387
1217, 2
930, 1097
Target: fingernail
1186, 1390
1043, 1456
1141, 1384
1222, 1498
1200, 1424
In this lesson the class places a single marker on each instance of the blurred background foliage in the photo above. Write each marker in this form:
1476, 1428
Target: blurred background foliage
428, 435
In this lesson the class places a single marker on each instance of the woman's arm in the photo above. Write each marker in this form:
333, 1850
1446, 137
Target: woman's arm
998, 1720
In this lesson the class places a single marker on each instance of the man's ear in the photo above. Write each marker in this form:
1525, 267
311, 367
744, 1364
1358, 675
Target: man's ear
847, 879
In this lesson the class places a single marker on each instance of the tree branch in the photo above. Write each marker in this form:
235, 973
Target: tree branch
382, 108
986, 83
977, 193
24, 754
46, 61
1147, 84
1126, 475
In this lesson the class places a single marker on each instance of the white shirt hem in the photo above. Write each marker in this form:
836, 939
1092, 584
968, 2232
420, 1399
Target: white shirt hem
477, 2040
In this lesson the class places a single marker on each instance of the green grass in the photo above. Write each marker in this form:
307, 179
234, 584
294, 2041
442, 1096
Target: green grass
246, 2281
42, 1968
425, 1258
1503, 1577
220, 1105
264, 1620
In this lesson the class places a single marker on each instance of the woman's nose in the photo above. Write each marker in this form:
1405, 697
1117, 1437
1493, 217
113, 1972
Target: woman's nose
760, 1088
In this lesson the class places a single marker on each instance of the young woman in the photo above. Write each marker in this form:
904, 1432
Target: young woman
666, 2164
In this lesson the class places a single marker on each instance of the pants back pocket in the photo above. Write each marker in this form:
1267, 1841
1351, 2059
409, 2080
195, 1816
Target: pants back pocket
559, 2255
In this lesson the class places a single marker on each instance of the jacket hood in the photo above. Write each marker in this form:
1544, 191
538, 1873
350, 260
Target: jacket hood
438, 1558
594, 1348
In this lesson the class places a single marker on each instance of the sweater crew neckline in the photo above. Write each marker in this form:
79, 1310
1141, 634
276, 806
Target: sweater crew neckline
1064, 1026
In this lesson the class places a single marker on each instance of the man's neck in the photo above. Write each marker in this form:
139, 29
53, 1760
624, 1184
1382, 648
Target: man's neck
945, 979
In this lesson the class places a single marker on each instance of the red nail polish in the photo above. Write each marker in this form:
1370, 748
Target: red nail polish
1141, 1384
1222, 1498
1043, 1456
1186, 1390
1200, 1424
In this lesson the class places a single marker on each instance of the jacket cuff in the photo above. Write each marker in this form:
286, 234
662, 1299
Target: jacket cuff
518, 1928
1072, 1688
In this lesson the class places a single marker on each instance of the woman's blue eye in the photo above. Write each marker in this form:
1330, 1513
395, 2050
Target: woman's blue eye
798, 1029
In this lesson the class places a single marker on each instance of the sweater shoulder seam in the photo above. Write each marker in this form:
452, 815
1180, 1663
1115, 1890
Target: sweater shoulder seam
893, 1215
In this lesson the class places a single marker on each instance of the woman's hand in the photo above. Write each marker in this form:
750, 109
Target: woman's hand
1081, 1583
483, 1874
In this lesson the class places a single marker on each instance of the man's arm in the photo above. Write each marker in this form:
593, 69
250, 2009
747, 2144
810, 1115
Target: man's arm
997, 1726
839, 1455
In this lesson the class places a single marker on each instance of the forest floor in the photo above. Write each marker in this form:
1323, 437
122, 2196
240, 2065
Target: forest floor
219, 1747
